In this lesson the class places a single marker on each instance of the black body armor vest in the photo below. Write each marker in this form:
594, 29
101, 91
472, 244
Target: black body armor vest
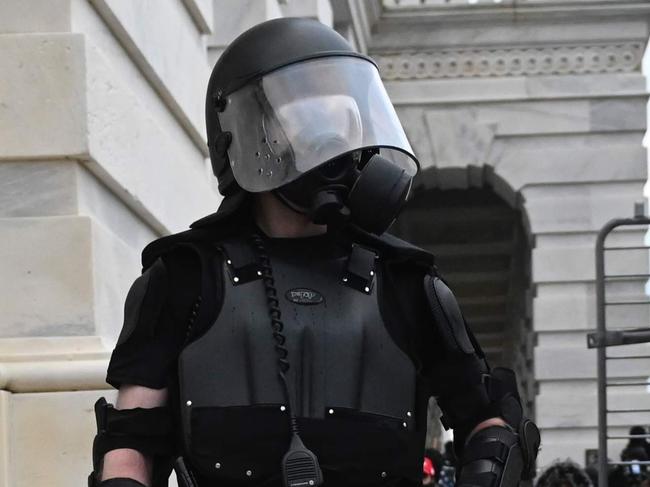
353, 389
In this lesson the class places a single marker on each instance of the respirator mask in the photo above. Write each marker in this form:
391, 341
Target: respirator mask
362, 188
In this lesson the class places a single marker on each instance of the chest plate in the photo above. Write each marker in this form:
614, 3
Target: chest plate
343, 364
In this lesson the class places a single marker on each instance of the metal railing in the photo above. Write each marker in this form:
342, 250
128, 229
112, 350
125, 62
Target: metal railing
604, 338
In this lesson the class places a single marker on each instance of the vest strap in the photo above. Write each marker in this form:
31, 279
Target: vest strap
241, 261
359, 271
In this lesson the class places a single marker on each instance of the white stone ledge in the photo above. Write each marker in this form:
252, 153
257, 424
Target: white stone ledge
20, 16
202, 13
477, 91
42, 96
78, 375
46, 364
417, 32
176, 65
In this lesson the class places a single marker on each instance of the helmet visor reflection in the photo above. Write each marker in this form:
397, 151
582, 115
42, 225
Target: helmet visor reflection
302, 116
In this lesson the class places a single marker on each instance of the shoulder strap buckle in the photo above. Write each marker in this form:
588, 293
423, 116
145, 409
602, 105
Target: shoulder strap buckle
241, 261
359, 271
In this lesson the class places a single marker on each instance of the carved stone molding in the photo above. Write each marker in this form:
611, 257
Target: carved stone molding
475, 63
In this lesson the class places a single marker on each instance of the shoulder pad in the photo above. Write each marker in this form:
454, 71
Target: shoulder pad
394, 248
447, 315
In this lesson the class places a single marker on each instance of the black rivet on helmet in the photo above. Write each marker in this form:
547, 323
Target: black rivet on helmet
219, 102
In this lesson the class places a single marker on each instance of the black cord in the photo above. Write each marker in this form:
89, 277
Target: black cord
276, 325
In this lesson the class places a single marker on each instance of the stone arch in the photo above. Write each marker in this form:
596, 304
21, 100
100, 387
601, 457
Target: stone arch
461, 183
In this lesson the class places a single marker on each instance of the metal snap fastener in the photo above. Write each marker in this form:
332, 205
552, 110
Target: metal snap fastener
384, 475
236, 279
249, 473
283, 408
217, 465
367, 289
331, 411
408, 413
404, 424
188, 403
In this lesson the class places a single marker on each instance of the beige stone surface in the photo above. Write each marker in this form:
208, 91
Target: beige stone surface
232, 17
46, 269
202, 12
37, 188
320, 10
21, 16
161, 56
47, 364
105, 207
42, 96
571, 208
138, 158
53, 440
5, 438
116, 266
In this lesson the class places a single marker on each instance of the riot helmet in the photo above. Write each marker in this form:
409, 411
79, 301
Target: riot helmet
292, 108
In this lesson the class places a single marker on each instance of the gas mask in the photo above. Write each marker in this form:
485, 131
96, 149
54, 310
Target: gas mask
362, 188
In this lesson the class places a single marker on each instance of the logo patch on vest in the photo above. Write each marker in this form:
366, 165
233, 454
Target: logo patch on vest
304, 296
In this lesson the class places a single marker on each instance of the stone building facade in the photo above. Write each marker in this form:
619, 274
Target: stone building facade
527, 117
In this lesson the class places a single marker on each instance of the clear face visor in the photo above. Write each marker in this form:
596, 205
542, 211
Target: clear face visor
302, 116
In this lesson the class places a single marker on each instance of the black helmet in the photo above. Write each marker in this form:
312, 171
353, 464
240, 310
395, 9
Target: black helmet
291, 95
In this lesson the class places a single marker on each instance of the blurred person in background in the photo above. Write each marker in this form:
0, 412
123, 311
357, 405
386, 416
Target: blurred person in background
428, 472
632, 474
564, 474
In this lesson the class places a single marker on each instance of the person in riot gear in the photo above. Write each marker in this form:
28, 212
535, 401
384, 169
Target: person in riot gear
287, 339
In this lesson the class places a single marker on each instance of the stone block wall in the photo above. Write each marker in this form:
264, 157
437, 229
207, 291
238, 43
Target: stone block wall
102, 149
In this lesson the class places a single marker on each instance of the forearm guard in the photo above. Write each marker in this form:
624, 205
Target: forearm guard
148, 431
501, 456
